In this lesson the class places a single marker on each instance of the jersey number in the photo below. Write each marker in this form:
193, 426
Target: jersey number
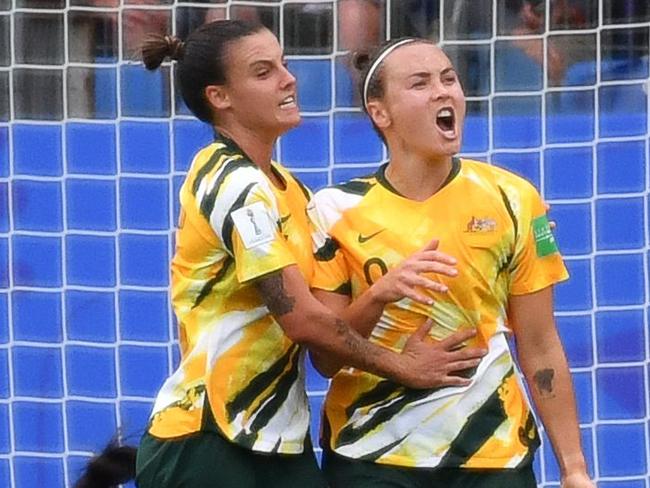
368, 270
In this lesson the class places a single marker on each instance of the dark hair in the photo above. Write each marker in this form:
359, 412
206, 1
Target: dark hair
200, 59
364, 60
113, 467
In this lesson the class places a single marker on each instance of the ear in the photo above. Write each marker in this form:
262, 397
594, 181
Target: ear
379, 114
217, 96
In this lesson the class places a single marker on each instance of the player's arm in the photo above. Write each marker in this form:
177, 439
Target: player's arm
305, 320
545, 368
405, 280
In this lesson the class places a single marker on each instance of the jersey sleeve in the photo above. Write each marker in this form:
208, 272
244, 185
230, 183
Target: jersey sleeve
537, 262
331, 272
244, 215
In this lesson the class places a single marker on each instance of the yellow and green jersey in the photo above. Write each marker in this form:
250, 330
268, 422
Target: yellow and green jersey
494, 224
236, 363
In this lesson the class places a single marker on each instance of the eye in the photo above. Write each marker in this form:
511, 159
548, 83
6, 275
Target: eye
449, 79
419, 84
262, 73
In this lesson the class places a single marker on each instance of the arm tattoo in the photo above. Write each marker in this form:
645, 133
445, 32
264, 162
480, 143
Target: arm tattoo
351, 341
544, 382
275, 297
366, 357
272, 291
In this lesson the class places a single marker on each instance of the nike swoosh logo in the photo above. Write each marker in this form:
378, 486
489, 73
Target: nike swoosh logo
363, 238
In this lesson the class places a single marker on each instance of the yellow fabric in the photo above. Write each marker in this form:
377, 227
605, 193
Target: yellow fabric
232, 349
484, 217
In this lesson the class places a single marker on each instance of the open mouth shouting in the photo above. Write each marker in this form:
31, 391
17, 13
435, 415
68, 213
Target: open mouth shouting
446, 122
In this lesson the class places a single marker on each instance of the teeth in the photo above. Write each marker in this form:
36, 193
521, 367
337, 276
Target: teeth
288, 100
445, 113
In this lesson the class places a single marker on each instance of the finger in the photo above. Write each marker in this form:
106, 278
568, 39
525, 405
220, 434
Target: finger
417, 297
451, 380
552, 224
547, 206
434, 267
467, 353
412, 281
423, 330
434, 286
436, 256
432, 245
458, 367
458, 338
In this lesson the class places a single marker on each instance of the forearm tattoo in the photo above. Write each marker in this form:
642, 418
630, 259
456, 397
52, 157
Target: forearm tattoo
351, 340
363, 354
274, 294
279, 303
544, 382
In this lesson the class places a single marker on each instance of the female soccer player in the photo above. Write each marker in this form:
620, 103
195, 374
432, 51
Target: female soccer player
235, 413
377, 433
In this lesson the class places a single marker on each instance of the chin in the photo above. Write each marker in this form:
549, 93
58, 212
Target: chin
290, 121
446, 149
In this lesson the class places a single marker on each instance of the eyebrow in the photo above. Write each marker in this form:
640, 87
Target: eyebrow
426, 74
420, 74
261, 63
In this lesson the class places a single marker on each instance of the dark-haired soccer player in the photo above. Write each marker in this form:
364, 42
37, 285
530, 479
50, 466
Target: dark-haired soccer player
378, 433
235, 413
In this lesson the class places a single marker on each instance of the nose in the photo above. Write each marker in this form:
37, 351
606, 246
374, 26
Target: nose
288, 80
440, 91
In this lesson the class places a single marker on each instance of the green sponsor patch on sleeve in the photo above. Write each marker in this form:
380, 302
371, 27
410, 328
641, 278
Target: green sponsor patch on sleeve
544, 240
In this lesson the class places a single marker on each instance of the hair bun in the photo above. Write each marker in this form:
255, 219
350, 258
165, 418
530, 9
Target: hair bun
155, 48
174, 47
361, 60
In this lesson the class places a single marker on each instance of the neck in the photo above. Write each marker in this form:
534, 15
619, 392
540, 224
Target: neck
417, 177
257, 147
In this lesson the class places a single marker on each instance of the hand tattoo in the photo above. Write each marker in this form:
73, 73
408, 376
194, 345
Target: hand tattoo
544, 382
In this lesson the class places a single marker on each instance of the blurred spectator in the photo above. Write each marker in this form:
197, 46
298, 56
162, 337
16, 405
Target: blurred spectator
38, 45
362, 24
526, 18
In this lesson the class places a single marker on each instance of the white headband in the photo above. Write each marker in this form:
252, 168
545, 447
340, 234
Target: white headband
376, 64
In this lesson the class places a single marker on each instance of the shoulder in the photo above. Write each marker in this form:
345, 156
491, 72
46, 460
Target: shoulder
345, 194
221, 178
292, 179
497, 178
219, 160
329, 204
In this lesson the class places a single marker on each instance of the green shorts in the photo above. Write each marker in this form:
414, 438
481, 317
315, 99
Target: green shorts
343, 472
208, 460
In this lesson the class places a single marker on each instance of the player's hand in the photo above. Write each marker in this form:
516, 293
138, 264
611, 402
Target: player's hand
405, 279
577, 480
436, 364
551, 223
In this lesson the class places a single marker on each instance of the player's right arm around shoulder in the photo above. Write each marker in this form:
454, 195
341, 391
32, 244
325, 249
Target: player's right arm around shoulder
421, 364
